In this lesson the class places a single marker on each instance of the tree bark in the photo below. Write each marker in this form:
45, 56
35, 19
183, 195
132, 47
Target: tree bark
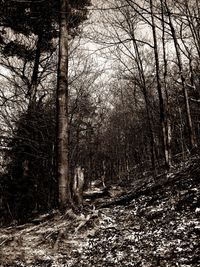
64, 191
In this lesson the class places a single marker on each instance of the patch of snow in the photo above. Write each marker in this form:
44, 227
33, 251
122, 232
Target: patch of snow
197, 210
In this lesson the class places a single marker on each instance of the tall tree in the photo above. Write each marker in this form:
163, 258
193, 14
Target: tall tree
159, 87
191, 131
62, 110
65, 197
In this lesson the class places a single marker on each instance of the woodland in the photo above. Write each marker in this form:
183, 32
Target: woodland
99, 133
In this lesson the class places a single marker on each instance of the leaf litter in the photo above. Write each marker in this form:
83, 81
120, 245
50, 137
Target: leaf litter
158, 226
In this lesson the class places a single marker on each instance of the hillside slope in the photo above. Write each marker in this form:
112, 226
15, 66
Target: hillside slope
156, 224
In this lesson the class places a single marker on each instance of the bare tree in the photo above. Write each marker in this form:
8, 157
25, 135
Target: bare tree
192, 137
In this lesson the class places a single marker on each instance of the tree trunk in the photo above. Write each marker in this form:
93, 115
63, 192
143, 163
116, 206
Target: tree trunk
167, 109
78, 184
64, 191
32, 90
185, 93
147, 103
159, 89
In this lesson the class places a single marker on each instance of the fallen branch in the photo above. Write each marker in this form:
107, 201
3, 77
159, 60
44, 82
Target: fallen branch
127, 198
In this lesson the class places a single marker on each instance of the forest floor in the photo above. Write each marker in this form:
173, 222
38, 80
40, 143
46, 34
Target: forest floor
156, 224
